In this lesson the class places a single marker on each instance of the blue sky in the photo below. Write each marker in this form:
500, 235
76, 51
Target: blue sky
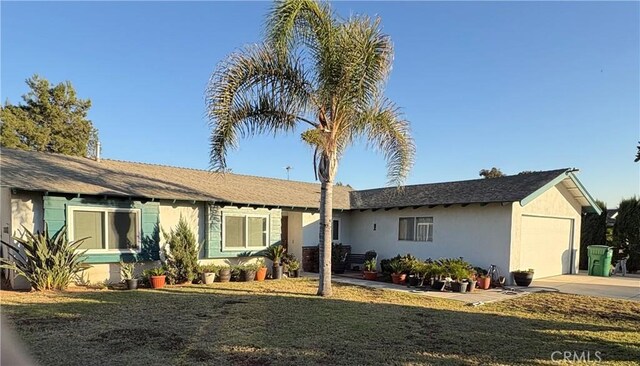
520, 86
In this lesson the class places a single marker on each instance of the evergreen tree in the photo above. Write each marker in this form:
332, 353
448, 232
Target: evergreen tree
52, 119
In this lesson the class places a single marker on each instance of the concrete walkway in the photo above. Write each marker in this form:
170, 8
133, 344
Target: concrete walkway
616, 287
477, 297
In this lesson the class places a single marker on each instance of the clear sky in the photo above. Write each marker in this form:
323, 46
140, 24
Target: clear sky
520, 86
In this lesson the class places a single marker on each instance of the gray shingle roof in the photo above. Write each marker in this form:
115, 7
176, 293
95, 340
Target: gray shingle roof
57, 173
505, 189
69, 174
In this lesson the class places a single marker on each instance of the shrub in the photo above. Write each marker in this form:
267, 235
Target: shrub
127, 270
370, 265
48, 263
209, 268
396, 265
182, 255
294, 265
626, 232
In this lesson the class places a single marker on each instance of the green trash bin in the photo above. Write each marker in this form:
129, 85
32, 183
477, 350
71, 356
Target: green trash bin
599, 260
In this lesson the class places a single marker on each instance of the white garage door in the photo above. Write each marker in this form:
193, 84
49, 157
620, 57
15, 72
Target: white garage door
546, 245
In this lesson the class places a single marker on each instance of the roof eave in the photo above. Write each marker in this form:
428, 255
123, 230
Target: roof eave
568, 174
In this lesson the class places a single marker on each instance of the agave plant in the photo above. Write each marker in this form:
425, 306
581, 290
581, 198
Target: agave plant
47, 262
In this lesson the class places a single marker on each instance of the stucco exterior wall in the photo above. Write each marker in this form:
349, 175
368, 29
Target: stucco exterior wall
557, 202
479, 234
26, 212
193, 213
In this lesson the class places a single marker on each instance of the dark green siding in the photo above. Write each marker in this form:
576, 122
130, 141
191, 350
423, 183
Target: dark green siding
55, 211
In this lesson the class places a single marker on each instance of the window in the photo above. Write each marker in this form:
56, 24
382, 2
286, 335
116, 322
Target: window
244, 231
415, 228
335, 230
105, 229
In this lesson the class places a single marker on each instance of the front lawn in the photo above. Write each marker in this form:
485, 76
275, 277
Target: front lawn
282, 323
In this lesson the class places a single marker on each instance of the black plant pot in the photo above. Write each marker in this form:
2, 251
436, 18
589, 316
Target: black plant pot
459, 286
337, 268
523, 279
132, 284
438, 285
295, 273
412, 280
247, 275
276, 272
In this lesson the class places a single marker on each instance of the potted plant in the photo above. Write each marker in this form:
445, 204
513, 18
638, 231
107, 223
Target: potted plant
208, 273
522, 277
248, 272
224, 274
275, 254
460, 273
370, 272
294, 269
127, 274
472, 283
338, 258
437, 272
397, 268
261, 271
158, 277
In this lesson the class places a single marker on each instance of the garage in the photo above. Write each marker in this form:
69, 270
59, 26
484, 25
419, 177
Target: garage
546, 245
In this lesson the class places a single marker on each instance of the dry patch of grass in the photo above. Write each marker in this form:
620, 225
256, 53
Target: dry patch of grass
284, 323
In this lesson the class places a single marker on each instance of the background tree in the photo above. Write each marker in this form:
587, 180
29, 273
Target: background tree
638, 154
626, 232
320, 71
593, 232
52, 119
493, 173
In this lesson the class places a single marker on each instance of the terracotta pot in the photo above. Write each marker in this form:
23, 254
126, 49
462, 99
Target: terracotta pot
158, 281
398, 278
261, 274
484, 283
370, 275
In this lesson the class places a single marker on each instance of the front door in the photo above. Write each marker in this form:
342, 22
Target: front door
284, 232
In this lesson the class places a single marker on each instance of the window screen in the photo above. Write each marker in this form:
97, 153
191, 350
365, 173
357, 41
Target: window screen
335, 231
122, 229
234, 230
257, 231
90, 225
424, 228
406, 226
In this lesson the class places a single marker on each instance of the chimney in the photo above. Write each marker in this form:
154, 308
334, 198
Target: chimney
98, 148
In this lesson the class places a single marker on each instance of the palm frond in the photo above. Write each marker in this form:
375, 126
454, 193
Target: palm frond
254, 91
384, 128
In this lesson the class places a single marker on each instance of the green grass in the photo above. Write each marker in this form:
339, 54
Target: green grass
283, 323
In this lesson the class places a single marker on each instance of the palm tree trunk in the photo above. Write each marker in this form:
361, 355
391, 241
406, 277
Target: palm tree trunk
326, 220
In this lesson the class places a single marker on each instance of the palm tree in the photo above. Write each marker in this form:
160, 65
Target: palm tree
316, 70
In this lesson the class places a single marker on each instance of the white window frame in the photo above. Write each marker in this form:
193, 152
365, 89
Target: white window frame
106, 210
415, 228
246, 231
339, 230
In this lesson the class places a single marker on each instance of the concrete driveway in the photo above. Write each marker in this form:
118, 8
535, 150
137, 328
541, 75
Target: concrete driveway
616, 287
